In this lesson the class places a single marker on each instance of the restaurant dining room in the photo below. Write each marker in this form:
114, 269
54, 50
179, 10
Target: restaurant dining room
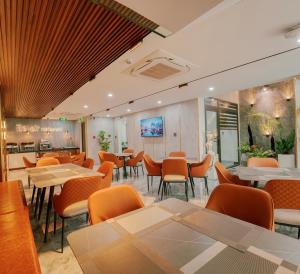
150, 136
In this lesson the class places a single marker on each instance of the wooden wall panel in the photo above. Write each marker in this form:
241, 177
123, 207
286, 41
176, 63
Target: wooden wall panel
50, 48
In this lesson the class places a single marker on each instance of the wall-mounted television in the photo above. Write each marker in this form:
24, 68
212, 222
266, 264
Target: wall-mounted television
152, 127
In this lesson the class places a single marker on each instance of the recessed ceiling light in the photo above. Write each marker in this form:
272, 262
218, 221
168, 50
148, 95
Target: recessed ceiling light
298, 40
85, 106
128, 110
159, 102
107, 115
211, 88
110, 95
264, 88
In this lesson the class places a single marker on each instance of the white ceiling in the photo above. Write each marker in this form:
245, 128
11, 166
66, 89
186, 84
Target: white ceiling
236, 33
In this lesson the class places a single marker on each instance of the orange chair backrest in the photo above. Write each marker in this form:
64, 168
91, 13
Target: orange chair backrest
153, 169
285, 193
64, 159
175, 167
88, 163
248, 204
78, 159
47, 161
224, 175
128, 150
51, 154
27, 163
78, 189
106, 168
101, 157
200, 169
177, 154
110, 157
111, 202
262, 162
137, 158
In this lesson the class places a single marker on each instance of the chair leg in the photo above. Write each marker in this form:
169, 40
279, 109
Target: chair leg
62, 234
87, 218
55, 216
137, 171
206, 185
162, 191
298, 232
151, 180
33, 193
143, 170
159, 185
148, 182
28, 181
186, 191
192, 186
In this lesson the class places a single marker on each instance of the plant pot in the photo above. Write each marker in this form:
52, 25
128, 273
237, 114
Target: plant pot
286, 160
244, 159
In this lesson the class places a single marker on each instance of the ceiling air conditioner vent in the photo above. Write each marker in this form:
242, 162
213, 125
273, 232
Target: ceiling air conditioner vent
159, 65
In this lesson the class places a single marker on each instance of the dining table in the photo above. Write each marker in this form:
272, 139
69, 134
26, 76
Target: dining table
124, 156
265, 174
174, 236
51, 176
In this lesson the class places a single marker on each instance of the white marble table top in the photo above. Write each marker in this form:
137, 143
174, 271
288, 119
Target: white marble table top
58, 174
264, 174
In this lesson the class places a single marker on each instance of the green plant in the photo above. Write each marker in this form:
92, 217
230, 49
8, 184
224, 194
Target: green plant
104, 140
260, 152
245, 148
124, 144
285, 145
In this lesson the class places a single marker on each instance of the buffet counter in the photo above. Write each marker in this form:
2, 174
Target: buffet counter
15, 159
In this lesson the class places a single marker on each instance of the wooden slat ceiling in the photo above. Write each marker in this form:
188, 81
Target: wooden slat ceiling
50, 48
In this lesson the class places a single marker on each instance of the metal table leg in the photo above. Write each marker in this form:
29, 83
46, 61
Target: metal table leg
49, 207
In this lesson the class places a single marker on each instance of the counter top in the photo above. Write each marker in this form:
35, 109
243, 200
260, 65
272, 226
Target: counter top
44, 151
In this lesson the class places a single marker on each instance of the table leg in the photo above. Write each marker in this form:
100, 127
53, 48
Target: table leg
124, 169
37, 202
42, 198
49, 207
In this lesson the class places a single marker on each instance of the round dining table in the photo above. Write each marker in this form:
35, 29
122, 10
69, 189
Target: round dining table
124, 156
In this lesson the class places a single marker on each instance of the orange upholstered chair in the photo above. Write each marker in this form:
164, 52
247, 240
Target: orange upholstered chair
225, 177
153, 168
199, 170
112, 202
136, 162
177, 154
51, 154
78, 159
88, 163
107, 169
262, 162
118, 163
174, 171
64, 158
47, 161
72, 201
28, 164
101, 157
245, 203
285, 194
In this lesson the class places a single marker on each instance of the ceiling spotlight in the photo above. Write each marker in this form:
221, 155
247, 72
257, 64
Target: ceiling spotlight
107, 115
298, 40
211, 88
265, 89
128, 110
110, 95
159, 102
85, 106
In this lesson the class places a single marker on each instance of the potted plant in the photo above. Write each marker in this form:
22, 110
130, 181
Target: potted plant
284, 150
124, 145
245, 149
260, 152
104, 140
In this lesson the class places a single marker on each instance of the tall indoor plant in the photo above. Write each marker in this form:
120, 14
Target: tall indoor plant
284, 150
104, 140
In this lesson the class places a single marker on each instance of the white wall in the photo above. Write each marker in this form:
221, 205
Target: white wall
93, 128
181, 130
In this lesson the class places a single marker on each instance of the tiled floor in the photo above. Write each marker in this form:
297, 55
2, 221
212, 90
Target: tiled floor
52, 261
